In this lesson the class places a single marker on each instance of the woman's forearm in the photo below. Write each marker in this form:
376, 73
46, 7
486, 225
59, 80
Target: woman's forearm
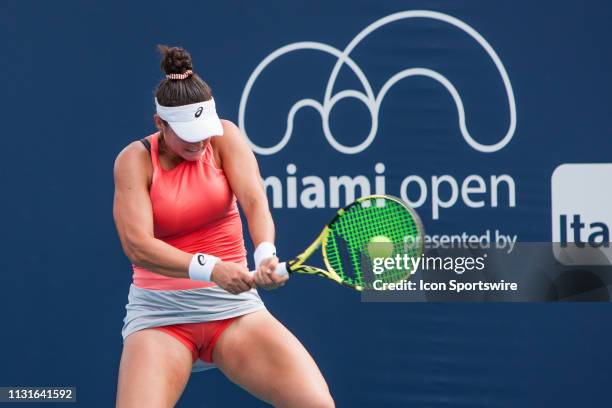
259, 220
159, 257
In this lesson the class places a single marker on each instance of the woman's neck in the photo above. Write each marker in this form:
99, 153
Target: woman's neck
172, 159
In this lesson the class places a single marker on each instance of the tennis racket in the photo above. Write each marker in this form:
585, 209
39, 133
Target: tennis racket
371, 227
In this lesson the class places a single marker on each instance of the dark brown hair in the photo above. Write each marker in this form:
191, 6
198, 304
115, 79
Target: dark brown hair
177, 92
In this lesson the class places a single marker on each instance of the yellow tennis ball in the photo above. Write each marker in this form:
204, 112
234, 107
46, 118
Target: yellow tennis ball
380, 247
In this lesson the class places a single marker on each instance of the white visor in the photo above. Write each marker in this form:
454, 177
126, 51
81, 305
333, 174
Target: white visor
194, 122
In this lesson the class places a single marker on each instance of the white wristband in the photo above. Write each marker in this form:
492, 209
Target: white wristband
201, 267
263, 251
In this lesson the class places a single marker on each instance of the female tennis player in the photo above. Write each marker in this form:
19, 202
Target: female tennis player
193, 303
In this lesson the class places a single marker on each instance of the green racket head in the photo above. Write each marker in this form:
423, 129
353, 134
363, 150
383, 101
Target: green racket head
377, 226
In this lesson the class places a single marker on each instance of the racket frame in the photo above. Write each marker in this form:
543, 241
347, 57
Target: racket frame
297, 264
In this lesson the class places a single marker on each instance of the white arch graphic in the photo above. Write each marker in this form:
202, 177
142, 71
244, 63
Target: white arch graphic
370, 100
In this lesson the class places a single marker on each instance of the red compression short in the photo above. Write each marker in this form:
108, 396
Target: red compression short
199, 338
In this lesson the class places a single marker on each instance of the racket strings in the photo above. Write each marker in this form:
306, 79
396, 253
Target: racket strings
354, 230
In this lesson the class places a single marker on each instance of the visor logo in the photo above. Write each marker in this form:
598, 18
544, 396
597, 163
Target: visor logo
199, 112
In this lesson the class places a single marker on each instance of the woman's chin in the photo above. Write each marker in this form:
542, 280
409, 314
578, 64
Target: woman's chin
192, 155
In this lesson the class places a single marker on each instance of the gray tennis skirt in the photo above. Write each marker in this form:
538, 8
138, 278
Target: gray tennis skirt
148, 308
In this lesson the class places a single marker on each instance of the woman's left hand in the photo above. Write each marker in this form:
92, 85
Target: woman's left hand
266, 276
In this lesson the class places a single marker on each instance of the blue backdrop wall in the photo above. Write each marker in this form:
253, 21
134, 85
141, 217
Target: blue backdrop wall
531, 77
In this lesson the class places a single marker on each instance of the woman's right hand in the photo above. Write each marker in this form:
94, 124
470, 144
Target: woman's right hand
232, 277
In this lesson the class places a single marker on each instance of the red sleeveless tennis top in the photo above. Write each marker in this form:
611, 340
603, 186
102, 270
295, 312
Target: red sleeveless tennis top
194, 210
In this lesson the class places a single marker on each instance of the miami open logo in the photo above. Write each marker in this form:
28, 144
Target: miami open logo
372, 99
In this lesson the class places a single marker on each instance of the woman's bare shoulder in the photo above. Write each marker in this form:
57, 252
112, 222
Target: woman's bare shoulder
134, 159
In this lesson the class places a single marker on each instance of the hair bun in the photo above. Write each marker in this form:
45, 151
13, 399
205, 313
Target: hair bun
175, 60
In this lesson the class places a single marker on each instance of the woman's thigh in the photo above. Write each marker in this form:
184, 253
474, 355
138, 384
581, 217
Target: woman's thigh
258, 353
154, 370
